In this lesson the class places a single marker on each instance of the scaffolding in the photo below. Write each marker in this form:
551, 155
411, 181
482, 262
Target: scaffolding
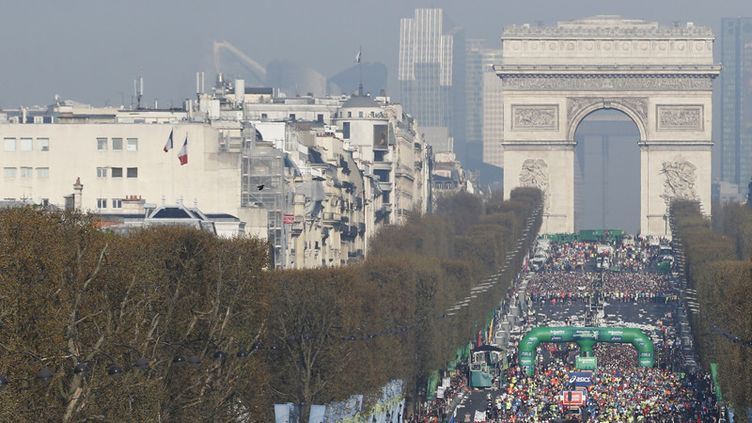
263, 185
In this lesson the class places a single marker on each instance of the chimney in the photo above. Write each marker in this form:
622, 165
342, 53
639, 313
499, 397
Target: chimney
78, 189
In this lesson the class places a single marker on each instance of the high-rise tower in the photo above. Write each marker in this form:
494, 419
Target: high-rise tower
736, 102
431, 75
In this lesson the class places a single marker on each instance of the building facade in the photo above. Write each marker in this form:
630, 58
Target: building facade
660, 77
736, 102
316, 177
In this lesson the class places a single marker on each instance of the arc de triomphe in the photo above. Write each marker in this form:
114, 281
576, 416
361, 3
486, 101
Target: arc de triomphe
661, 77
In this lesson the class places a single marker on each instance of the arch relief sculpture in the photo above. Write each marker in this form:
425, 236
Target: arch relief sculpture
680, 180
534, 173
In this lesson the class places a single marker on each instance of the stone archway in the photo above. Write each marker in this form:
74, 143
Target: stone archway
661, 77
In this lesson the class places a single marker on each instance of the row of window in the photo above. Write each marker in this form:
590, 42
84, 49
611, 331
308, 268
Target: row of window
25, 144
361, 114
117, 144
26, 172
117, 172
117, 203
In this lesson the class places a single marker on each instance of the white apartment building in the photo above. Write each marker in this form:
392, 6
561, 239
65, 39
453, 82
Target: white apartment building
114, 160
389, 146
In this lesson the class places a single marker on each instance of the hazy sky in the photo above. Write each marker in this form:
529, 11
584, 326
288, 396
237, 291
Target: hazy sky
91, 50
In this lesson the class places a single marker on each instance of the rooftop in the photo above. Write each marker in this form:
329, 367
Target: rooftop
360, 101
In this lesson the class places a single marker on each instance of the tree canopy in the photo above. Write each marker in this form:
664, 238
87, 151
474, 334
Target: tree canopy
175, 324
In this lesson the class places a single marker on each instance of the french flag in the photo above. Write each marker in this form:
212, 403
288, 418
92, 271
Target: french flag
168, 144
183, 155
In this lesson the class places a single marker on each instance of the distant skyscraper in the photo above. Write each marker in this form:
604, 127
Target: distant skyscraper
431, 69
493, 120
483, 92
736, 101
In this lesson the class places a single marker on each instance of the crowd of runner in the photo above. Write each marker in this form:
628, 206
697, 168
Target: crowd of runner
637, 287
633, 256
570, 256
559, 286
620, 391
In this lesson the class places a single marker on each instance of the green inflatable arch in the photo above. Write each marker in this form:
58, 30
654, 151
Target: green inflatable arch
585, 338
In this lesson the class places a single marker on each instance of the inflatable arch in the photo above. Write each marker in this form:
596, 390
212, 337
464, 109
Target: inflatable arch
585, 338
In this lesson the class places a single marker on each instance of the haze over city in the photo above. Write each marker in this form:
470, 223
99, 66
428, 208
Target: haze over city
91, 51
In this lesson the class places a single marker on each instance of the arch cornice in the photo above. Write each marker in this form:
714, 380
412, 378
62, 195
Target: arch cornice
634, 107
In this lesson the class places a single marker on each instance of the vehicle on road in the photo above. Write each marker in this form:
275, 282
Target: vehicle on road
484, 361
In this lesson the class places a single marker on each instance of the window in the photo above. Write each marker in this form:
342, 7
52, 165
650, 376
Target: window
43, 172
26, 172
132, 172
132, 144
346, 130
320, 118
102, 144
25, 144
117, 144
360, 114
117, 203
9, 172
10, 144
101, 203
117, 172
44, 144
349, 114
292, 116
102, 172
264, 116
382, 174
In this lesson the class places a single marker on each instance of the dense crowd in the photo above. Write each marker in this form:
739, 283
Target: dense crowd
630, 255
637, 287
560, 286
570, 256
620, 391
